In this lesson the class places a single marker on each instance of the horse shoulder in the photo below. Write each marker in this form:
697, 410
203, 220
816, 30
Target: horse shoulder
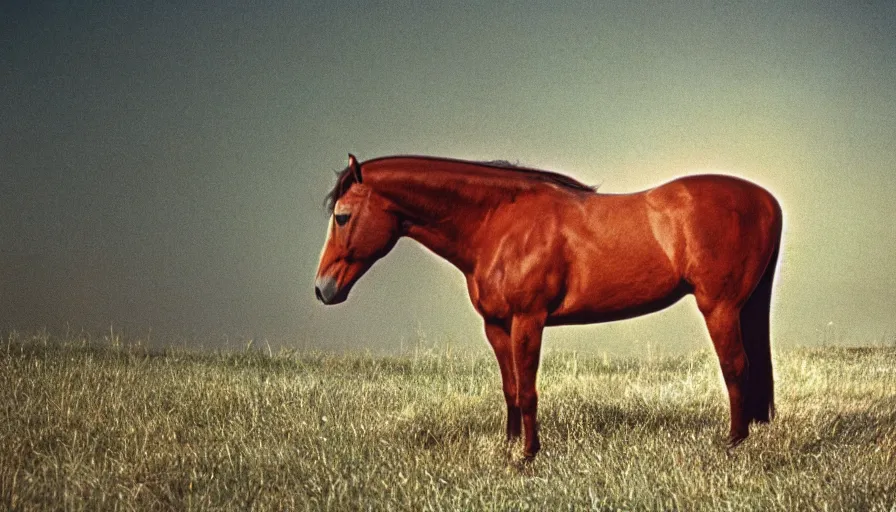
517, 269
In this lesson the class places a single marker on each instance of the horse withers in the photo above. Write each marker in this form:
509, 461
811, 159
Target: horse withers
538, 248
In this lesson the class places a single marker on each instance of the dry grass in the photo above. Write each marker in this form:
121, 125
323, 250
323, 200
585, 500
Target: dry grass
86, 425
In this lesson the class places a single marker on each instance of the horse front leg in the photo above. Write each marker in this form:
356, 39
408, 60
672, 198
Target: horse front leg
525, 341
499, 338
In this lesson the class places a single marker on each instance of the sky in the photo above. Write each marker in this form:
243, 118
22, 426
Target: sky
163, 167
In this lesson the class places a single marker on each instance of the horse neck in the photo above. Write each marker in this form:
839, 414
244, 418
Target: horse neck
441, 210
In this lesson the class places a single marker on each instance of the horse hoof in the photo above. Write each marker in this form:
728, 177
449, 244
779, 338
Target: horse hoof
529, 454
734, 441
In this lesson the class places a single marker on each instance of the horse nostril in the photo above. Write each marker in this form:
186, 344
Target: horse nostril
317, 293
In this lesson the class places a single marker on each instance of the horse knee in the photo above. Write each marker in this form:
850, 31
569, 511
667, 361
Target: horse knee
510, 397
528, 401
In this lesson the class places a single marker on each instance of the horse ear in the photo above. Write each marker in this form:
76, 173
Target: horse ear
355, 166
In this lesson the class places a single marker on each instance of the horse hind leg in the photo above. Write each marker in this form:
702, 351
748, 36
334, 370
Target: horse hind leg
754, 321
723, 322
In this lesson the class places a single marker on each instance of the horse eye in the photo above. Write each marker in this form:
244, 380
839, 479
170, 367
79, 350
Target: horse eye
342, 218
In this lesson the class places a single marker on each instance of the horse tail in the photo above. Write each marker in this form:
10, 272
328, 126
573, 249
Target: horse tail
754, 321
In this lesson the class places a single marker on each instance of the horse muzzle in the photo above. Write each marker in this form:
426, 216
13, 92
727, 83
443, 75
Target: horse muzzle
327, 291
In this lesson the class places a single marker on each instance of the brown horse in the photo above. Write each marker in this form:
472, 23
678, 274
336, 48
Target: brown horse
538, 248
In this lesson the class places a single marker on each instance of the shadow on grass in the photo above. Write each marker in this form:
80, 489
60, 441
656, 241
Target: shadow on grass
572, 421
438, 430
865, 427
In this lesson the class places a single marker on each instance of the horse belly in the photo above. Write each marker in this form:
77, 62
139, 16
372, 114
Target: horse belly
623, 289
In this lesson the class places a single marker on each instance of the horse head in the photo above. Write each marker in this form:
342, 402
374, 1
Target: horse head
362, 229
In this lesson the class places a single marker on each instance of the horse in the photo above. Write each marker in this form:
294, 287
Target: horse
538, 248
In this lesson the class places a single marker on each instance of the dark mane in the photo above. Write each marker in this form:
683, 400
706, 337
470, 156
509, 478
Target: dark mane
540, 175
345, 178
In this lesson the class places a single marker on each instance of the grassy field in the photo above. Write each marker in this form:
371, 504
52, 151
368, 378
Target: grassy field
98, 425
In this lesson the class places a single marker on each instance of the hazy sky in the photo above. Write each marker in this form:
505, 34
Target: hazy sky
163, 167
